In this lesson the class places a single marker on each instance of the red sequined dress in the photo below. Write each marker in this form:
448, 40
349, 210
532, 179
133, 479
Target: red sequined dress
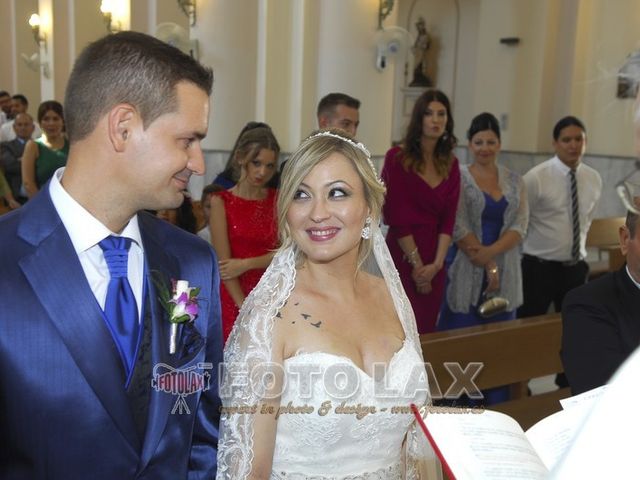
252, 232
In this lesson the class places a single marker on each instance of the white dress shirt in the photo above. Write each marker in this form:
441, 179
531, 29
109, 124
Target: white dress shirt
550, 233
86, 232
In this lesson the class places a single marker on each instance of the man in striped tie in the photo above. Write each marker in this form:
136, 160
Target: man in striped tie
563, 193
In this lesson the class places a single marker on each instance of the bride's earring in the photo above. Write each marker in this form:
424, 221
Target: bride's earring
366, 230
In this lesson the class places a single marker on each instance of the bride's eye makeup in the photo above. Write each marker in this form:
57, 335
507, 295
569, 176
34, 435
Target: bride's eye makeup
339, 192
300, 195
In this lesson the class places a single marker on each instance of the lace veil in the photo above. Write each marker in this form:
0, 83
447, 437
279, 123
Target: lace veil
249, 348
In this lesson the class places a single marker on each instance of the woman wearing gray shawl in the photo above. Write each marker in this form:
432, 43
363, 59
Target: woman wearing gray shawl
490, 224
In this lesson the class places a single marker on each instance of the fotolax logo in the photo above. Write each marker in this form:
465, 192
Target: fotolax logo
181, 382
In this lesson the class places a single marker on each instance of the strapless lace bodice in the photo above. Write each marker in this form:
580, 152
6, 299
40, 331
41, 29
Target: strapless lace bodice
336, 418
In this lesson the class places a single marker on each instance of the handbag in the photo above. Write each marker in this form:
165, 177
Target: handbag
492, 306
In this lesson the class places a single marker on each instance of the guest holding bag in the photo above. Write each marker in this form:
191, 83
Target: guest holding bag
423, 184
490, 225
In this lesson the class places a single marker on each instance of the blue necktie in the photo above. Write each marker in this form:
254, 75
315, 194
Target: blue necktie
120, 308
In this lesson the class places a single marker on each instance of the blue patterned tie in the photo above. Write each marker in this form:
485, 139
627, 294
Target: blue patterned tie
120, 307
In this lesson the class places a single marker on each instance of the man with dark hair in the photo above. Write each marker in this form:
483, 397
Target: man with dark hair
11, 154
600, 320
338, 110
563, 194
98, 379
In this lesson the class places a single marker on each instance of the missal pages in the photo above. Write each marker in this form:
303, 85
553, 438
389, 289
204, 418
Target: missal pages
483, 444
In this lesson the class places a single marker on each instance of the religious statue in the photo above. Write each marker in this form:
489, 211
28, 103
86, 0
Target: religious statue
420, 51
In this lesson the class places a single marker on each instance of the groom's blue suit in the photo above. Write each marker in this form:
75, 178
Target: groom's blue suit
64, 411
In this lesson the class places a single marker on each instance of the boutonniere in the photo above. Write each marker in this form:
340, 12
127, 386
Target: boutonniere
181, 304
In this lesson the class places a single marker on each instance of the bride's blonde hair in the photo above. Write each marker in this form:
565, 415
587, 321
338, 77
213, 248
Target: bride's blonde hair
311, 152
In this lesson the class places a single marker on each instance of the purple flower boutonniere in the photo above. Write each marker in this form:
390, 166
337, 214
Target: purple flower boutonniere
181, 304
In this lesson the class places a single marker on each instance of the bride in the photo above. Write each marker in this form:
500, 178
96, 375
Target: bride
324, 358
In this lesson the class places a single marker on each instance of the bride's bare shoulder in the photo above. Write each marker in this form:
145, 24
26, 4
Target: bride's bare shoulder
373, 283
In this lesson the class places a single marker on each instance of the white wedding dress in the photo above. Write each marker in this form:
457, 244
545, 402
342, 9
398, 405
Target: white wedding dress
344, 424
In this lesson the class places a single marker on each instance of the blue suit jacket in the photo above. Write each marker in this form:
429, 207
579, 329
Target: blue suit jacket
64, 412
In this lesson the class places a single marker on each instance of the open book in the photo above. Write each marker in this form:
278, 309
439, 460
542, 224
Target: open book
483, 444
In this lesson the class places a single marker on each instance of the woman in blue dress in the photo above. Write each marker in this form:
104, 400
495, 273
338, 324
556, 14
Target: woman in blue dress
490, 225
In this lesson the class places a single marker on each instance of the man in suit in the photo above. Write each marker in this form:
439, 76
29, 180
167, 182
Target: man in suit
11, 154
95, 382
600, 320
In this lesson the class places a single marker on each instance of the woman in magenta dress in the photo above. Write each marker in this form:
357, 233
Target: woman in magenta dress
423, 185
242, 222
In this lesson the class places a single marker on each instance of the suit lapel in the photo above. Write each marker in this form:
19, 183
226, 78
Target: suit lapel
164, 265
159, 261
58, 280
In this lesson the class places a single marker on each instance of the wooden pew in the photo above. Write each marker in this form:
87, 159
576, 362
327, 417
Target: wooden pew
512, 352
603, 235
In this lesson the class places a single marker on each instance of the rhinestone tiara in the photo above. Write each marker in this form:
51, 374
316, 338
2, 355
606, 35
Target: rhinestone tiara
360, 146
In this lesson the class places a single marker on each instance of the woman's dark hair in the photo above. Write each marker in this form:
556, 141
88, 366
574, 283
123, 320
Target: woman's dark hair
442, 156
482, 122
50, 106
231, 170
185, 218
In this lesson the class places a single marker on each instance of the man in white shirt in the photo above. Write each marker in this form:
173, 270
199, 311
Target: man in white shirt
104, 376
563, 194
11, 154
19, 104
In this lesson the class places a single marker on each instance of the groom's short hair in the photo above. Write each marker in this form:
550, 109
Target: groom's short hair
127, 67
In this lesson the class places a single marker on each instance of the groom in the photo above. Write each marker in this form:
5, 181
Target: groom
91, 383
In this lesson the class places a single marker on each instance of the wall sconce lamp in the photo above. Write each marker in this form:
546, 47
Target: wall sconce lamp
106, 7
39, 37
384, 9
189, 9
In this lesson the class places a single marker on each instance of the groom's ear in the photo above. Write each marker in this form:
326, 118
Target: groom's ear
121, 123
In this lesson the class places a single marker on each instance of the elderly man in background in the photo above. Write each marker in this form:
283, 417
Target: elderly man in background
11, 154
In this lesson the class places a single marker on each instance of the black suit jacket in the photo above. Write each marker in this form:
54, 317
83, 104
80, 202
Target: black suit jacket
601, 327
10, 159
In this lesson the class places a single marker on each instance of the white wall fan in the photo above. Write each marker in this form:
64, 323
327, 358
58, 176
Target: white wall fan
390, 42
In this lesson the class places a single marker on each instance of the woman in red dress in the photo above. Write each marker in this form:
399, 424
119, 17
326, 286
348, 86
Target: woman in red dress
423, 184
242, 222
